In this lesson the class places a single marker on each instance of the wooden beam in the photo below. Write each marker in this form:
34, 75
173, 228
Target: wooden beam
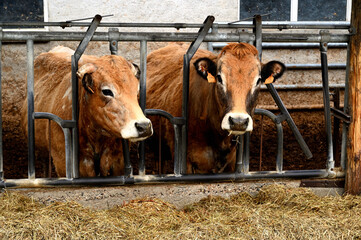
353, 173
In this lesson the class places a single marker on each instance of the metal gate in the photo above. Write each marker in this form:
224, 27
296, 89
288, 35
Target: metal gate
208, 32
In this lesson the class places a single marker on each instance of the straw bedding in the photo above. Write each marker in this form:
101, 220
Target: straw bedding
276, 212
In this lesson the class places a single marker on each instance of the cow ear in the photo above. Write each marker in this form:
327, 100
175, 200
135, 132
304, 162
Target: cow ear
206, 68
84, 73
136, 70
271, 71
88, 83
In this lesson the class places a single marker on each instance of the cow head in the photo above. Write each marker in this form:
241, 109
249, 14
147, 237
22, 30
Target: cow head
110, 88
237, 75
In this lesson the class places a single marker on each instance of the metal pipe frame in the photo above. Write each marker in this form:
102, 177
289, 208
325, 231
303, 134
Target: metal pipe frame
326, 102
75, 88
171, 178
280, 25
30, 94
66, 126
185, 96
278, 45
177, 122
278, 123
113, 47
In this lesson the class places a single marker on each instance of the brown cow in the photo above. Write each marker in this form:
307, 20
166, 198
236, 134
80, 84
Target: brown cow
108, 109
218, 108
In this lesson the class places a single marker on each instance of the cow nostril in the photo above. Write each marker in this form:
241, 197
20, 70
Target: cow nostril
143, 128
238, 124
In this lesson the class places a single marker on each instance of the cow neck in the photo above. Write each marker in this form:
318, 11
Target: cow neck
208, 107
90, 134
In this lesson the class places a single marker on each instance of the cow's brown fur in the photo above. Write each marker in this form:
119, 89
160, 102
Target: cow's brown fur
210, 148
100, 118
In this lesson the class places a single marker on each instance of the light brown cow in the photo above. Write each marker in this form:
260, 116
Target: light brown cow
218, 108
108, 109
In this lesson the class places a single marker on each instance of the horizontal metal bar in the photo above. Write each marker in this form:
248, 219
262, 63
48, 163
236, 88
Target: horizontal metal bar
341, 115
45, 182
247, 24
304, 87
311, 66
172, 119
55, 118
271, 45
167, 36
125, 36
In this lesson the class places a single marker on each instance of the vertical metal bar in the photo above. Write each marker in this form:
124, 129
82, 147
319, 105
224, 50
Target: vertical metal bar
177, 152
75, 117
336, 125
185, 94
257, 30
245, 167
1, 121
239, 155
113, 47
327, 110
113, 43
128, 169
142, 98
346, 110
75, 101
30, 87
68, 154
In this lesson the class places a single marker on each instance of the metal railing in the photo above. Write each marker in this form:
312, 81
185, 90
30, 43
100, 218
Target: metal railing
113, 36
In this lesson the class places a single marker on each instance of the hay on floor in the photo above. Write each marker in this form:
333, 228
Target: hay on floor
276, 212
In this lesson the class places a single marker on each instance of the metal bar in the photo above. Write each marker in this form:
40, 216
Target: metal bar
171, 36
314, 66
31, 130
336, 124
257, 31
128, 169
142, 98
127, 36
113, 43
289, 120
327, 108
113, 47
278, 45
245, 166
75, 88
65, 125
240, 154
279, 129
343, 160
185, 92
1, 121
302, 87
280, 25
43, 182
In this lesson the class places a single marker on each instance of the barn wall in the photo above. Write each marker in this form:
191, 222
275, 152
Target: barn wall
170, 11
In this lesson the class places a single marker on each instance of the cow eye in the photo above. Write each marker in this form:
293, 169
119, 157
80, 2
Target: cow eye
107, 92
219, 79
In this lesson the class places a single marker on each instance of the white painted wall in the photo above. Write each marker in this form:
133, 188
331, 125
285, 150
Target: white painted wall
188, 11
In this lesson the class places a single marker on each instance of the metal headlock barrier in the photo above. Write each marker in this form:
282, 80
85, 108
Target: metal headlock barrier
208, 32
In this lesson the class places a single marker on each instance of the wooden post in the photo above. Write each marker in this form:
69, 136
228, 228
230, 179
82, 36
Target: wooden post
353, 173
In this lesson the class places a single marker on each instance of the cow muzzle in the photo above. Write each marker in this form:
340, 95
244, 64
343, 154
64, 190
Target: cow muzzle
144, 129
137, 130
237, 123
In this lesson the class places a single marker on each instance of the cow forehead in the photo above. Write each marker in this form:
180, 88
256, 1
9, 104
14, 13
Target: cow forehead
240, 71
115, 70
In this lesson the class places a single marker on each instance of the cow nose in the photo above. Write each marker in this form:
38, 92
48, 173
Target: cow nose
144, 128
238, 124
